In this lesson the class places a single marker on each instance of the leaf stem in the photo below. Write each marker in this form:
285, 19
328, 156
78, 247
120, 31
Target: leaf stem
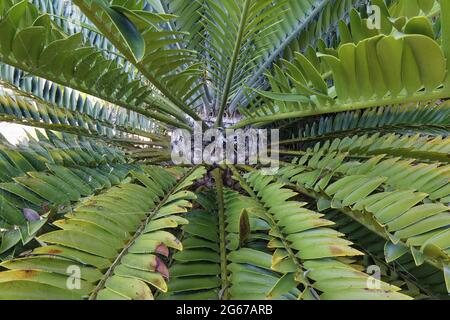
435, 95
233, 62
217, 174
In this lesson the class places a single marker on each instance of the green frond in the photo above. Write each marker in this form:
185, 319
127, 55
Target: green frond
136, 34
93, 92
420, 282
432, 119
432, 148
409, 216
294, 34
47, 177
73, 63
195, 270
376, 69
111, 240
96, 114
307, 252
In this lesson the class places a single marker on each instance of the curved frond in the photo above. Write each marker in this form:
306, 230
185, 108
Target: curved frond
110, 240
309, 253
151, 48
377, 69
409, 216
66, 60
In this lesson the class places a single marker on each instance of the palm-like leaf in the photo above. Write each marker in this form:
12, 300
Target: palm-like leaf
364, 169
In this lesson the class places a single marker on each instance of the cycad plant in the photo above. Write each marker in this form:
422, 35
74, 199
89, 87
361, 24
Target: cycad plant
92, 207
